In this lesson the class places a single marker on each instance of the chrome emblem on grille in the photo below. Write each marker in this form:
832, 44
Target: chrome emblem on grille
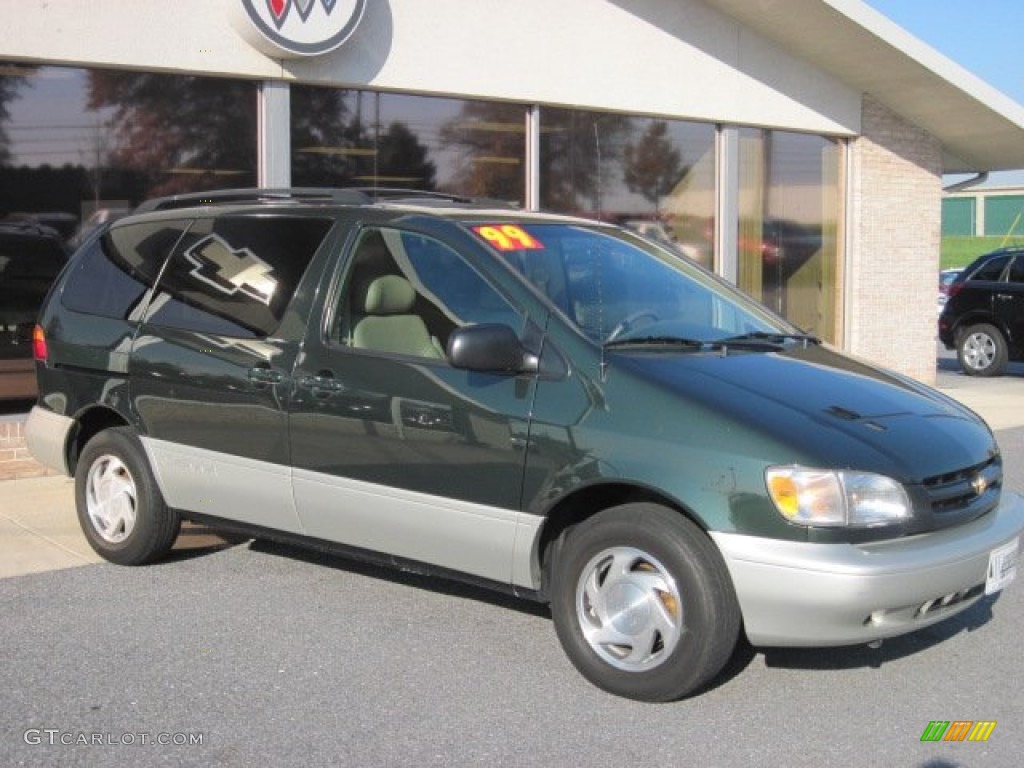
979, 484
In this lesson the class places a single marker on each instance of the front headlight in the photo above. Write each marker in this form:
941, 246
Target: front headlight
824, 497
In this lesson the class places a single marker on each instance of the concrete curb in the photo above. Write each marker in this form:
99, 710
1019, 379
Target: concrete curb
39, 528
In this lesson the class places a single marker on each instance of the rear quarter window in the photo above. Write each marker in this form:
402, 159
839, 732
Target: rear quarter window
991, 270
1017, 270
112, 277
235, 275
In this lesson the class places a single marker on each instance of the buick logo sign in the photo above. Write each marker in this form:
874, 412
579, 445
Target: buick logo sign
290, 28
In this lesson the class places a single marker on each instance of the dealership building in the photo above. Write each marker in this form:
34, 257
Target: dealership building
796, 147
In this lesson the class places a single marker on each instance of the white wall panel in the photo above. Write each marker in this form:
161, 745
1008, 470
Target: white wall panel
671, 57
173, 35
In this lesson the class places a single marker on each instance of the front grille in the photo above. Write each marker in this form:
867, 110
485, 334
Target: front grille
966, 493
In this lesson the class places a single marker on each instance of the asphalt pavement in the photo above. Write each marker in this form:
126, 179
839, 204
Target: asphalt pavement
257, 654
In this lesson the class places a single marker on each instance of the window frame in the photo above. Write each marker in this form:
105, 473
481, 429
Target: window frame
1015, 266
338, 294
1006, 258
179, 254
99, 243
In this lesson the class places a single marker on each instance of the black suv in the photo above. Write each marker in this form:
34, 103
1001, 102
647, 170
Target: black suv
549, 406
983, 318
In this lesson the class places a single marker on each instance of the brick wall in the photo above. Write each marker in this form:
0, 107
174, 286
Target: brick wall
896, 174
15, 461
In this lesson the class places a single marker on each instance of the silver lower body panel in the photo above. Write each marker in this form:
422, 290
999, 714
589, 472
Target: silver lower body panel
46, 435
804, 594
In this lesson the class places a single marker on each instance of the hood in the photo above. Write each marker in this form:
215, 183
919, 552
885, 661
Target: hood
827, 408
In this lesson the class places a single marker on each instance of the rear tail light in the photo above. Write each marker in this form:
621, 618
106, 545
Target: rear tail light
954, 289
39, 344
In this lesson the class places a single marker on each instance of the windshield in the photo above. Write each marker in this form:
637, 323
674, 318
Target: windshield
616, 287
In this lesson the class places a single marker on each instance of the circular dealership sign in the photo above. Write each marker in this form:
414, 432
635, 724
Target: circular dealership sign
297, 27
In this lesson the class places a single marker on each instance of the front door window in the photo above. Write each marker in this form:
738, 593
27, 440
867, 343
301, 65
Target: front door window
406, 292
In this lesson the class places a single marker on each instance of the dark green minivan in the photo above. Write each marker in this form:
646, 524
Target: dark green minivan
549, 406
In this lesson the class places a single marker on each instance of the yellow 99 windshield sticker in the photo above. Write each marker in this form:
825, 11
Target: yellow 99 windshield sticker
509, 237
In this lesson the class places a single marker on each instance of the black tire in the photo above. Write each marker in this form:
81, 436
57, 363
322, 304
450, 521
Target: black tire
120, 508
981, 350
665, 594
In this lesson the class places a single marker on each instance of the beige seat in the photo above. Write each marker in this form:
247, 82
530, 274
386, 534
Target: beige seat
387, 323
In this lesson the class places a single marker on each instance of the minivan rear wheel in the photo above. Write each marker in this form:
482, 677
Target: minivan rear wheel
642, 603
120, 508
981, 350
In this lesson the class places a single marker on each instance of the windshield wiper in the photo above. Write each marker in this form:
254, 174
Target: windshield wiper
677, 341
770, 337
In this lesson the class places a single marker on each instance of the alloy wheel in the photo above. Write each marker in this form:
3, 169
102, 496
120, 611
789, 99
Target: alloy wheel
629, 609
111, 499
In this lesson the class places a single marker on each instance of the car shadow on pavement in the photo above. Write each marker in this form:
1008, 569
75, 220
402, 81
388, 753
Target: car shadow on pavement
833, 658
949, 364
741, 658
196, 540
437, 583
860, 656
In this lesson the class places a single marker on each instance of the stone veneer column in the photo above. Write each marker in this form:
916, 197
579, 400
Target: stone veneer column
895, 227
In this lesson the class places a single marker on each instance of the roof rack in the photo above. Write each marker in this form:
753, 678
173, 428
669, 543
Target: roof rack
395, 194
338, 195
254, 195
439, 200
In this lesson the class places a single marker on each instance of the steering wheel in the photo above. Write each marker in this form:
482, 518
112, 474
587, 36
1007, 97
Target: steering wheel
628, 322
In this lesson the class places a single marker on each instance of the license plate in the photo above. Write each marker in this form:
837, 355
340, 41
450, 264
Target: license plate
1002, 567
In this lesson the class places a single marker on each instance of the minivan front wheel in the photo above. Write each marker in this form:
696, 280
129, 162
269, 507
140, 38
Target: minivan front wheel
120, 508
981, 350
642, 603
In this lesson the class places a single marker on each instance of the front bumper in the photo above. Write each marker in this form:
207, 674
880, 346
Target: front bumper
804, 594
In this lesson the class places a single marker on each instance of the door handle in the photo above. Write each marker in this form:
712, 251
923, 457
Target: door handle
425, 416
322, 384
265, 375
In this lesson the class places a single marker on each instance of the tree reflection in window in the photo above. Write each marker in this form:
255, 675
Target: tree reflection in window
178, 133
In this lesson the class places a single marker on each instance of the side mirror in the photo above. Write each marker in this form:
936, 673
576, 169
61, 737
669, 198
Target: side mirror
490, 348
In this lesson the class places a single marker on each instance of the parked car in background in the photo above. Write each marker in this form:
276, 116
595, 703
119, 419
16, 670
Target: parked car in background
946, 278
983, 317
31, 257
64, 223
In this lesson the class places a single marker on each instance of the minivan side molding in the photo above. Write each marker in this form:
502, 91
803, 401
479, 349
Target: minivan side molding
483, 541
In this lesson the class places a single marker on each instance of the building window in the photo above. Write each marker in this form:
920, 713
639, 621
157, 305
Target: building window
787, 228
654, 175
362, 138
1004, 215
82, 140
959, 216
